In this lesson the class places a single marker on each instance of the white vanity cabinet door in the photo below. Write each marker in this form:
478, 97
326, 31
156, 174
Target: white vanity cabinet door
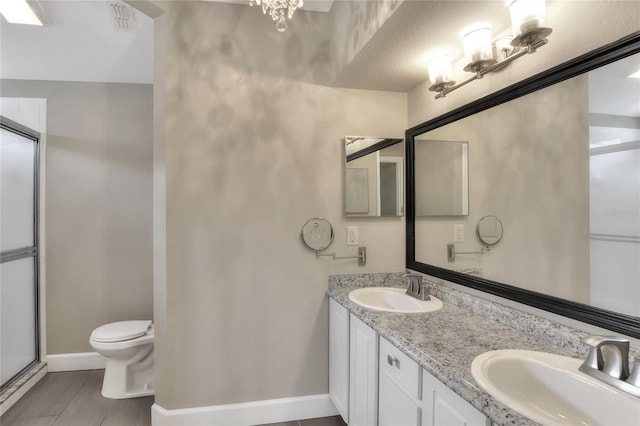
339, 357
398, 403
442, 406
363, 374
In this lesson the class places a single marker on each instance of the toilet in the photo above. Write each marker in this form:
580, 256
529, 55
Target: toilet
128, 348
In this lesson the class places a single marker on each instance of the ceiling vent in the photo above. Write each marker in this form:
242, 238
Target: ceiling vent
123, 16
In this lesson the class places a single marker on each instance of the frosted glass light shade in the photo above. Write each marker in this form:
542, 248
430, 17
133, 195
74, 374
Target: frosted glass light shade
439, 69
527, 15
476, 41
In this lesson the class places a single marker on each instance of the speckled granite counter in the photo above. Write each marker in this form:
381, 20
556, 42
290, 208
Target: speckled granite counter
445, 342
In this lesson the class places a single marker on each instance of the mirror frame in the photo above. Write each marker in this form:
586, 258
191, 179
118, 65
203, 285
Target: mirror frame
610, 320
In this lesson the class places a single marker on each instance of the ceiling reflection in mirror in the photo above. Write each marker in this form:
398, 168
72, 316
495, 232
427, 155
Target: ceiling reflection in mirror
560, 167
374, 176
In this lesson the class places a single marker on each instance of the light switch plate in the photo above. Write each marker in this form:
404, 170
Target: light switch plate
458, 233
352, 235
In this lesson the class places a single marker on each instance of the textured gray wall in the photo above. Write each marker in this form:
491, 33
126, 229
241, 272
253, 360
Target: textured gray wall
253, 147
99, 205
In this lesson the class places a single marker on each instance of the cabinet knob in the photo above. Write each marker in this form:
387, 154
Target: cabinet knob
393, 361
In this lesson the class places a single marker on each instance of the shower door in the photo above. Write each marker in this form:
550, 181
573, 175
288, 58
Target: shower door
18, 250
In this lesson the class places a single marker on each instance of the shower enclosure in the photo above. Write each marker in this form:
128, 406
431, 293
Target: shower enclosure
19, 251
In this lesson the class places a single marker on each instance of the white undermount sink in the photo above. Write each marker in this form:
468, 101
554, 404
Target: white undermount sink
391, 299
549, 389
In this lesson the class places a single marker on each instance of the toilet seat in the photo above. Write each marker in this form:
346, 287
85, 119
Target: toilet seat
121, 331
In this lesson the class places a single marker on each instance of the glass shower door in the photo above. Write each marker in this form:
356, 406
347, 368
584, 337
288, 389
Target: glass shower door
18, 250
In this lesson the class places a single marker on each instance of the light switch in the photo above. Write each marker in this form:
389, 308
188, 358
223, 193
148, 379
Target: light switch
458, 233
352, 235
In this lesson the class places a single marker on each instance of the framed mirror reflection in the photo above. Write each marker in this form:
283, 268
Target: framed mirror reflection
557, 159
373, 177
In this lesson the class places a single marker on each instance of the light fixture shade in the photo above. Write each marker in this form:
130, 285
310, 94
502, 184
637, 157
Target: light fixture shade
439, 69
478, 51
528, 17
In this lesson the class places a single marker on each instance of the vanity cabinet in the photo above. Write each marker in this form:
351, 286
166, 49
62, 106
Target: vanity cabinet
398, 397
339, 358
442, 406
363, 374
371, 382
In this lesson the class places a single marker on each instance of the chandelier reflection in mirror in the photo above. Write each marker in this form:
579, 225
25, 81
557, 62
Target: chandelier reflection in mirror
279, 10
483, 56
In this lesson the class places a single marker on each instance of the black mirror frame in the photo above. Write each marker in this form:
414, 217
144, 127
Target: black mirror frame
616, 322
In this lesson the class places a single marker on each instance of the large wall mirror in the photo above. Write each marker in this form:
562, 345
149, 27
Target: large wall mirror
373, 177
557, 159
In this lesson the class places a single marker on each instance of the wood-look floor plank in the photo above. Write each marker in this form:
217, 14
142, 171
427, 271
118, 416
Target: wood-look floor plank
89, 407
324, 421
130, 412
292, 423
30, 421
49, 397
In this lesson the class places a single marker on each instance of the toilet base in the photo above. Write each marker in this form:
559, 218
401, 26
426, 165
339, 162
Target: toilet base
132, 378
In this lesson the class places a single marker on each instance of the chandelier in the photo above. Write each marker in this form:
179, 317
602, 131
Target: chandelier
279, 10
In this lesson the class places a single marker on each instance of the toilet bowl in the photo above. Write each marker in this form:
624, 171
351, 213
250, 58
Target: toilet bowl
128, 348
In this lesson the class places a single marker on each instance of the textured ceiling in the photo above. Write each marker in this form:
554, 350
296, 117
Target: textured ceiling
78, 43
394, 59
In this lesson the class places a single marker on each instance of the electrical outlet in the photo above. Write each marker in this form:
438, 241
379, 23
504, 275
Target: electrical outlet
352, 235
458, 233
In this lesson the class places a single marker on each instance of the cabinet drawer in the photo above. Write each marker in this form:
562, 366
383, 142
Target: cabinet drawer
399, 367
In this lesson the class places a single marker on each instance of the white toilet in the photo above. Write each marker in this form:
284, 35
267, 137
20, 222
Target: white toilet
128, 348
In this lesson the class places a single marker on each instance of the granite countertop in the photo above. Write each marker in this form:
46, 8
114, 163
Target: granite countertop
445, 343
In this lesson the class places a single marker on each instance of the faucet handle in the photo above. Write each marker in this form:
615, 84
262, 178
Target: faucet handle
634, 378
424, 292
594, 359
615, 361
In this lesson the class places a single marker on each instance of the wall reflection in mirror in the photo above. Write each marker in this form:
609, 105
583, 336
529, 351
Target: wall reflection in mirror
441, 176
560, 167
374, 176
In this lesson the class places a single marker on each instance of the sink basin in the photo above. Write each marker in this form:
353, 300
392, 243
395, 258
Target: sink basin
549, 389
391, 299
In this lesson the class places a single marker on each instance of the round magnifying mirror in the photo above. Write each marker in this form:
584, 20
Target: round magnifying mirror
489, 230
317, 233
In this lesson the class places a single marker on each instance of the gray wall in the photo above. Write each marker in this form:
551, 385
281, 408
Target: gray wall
99, 205
247, 148
251, 148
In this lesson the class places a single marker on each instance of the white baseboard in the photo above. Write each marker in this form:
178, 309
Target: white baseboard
76, 361
245, 414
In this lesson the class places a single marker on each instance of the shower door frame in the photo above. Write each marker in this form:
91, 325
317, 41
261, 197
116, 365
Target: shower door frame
32, 251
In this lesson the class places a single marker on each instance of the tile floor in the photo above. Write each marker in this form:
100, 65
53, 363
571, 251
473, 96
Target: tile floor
73, 399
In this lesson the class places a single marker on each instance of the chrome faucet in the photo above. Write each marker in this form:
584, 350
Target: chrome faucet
608, 361
415, 287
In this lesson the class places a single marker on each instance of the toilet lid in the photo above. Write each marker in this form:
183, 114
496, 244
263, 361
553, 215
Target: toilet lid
120, 331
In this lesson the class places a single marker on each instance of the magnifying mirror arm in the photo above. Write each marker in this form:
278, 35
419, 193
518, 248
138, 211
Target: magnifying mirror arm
451, 252
362, 256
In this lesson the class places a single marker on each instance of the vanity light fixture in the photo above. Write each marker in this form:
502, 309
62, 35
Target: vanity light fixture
279, 10
482, 56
